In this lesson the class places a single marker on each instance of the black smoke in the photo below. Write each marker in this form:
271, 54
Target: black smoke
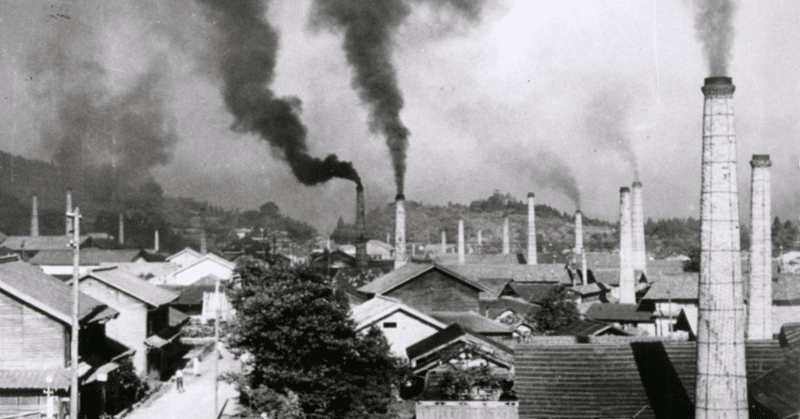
550, 171
714, 25
245, 47
368, 28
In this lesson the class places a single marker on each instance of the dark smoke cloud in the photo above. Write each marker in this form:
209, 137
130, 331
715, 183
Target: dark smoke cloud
607, 118
368, 29
551, 172
714, 25
246, 47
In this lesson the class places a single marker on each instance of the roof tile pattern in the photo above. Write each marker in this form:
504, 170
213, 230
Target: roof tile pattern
133, 286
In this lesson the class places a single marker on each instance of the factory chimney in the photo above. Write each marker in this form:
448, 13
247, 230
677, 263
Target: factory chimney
35, 215
506, 241
443, 249
361, 239
203, 242
156, 241
531, 230
627, 283
480, 239
579, 251
721, 389
637, 226
68, 224
121, 228
461, 257
400, 232
759, 300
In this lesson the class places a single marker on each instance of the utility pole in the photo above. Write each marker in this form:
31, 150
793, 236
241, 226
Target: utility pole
216, 350
76, 262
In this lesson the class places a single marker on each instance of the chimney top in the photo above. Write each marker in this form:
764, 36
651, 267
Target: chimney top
760, 160
718, 86
359, 187
578, 212
530, 195
624, 189
400, 197
718, 80
637, 184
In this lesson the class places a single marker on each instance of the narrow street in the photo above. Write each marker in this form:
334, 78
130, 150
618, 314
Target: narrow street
197, 401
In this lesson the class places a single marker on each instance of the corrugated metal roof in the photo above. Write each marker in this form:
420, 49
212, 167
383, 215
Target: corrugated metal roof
63, 257
618, 313
471, 321
34, 379
133, 286
30, 284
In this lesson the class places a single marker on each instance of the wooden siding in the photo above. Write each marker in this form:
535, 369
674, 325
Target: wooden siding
436, 291
28, 337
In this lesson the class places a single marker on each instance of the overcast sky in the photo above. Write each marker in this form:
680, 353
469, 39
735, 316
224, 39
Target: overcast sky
590, 83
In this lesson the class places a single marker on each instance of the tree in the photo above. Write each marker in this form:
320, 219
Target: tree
300, 339
558, 310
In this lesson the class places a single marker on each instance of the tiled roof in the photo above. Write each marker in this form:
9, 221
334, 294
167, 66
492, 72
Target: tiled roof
210, 257
448, 335
519, 273
186, 250
778, 391
610, 276
618, 313
408, 272
534, 292
29, 379
494, 285
789, 337
477, 259
177, 317
676, 287
133, 286
664, 267
786, 290
500, 305
350, 279
63, 257
472, 321
588, 289
619, 377
156, 272
380, 307
18, 243
31, 285
602, 260
586, 327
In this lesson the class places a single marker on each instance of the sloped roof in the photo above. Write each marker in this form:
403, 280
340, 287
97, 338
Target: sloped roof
192, 294
31, 285
186, 250
664, 267
586, 327
789, 336
534, 292
786, 290
30, 379
408, 272
350, 279
611, 276
449, 335
472, 321
618, 313
500, 305
477, 259
588, 289
133, 286
778, 391
602, 260
88, 256
18, 243
676, 287
146, 271
519, 273
381, 307
494, 287
208, 257
613, 377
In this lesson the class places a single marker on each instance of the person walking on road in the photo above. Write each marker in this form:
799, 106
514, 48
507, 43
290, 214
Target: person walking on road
196, 366
179, 380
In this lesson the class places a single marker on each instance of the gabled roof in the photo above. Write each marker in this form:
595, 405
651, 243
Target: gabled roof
534, 292
618, 313
588, 327
208, 257
588, 289
185, 251
409, 272
494, 287
147, 271
456, 333
477, 259
380, 307
675, 287
778, 391
519, 273
611, 276
19, 243
472, 321
789, 337
89, 256
133, 286
350, 279
498, 306
192, 294
32, 286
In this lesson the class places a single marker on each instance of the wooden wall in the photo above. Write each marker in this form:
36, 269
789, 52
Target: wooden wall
436, 291
28, 337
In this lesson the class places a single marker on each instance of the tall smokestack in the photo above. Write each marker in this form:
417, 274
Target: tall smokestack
400, 232
506, 242
68, 224
480, 238
721, 373
627, 284
531, 230
156, 243
637, 221
759, 300
461, 257
361, 239
579, 244
121, 228
35, 215
443, 248
204, 242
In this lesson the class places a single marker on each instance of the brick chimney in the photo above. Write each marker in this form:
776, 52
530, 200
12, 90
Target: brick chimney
506, 242
68, 224
443, 249
579, 251
156, 241
35, 215
361, 230
721, 390
461, 257
637, 222
531, 230
400, 232
121, 228
759, 300
627, 283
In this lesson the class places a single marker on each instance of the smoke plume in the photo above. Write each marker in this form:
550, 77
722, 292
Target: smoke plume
549, 171
368, 29
607, 115
714, 25
245, 48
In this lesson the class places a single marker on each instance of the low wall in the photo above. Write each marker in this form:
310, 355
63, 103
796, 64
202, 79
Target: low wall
468, 410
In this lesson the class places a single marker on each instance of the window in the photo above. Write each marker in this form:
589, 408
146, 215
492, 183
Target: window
389, 325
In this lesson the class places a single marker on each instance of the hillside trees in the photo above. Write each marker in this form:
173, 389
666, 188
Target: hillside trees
300, 340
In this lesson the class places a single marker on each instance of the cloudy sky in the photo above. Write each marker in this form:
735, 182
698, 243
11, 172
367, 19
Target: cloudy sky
593, 88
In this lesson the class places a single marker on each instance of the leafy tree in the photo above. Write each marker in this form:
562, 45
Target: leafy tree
300, 339
693, 264
558, 310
